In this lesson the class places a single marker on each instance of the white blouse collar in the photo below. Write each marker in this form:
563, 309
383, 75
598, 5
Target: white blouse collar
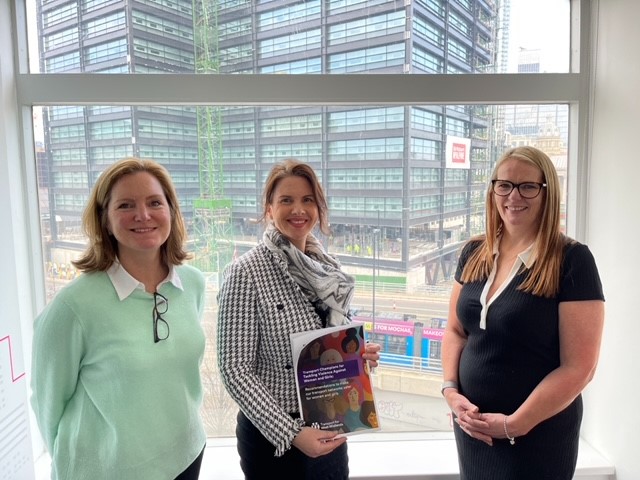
525, 257
125, 284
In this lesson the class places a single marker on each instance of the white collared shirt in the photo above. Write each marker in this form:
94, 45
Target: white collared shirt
523, 258
125, 284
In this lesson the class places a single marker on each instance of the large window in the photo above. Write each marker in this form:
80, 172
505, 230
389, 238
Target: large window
399, 212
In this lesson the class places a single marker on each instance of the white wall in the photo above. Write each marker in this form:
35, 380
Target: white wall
612, 416
16, 304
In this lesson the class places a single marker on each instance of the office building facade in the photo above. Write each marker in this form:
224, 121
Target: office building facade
397, 206
106, 37
405, 183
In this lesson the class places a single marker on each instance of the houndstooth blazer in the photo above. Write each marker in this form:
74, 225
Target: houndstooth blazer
259, 306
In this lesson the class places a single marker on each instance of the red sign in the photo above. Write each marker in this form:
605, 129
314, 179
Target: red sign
459, 153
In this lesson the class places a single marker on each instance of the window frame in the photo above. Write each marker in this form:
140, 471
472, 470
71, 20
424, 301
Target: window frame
333, 89
33, 89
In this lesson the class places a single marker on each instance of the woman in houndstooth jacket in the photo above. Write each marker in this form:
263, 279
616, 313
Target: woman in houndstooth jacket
286, 284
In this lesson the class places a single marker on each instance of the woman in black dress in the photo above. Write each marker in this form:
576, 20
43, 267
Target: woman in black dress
524, 329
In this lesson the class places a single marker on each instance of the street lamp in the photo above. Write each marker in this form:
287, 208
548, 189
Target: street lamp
376, 256
373, 283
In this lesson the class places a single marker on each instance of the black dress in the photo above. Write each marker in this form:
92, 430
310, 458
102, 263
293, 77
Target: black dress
501, 365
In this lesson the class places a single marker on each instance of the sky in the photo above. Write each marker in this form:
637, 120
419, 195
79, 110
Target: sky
542, 24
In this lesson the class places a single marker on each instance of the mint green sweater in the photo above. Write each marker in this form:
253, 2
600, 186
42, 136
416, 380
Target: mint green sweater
110, 403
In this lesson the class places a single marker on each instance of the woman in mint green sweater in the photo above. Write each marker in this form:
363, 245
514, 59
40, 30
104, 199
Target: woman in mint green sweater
116, 354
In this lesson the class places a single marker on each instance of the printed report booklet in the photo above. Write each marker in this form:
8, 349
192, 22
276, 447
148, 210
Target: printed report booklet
334, 386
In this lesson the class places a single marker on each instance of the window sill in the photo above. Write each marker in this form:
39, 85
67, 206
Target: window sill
405, 456
375, 456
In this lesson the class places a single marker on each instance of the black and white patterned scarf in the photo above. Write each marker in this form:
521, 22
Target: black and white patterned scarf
317, 273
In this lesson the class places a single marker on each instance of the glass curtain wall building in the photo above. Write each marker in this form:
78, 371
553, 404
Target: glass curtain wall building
106, 37
395, 204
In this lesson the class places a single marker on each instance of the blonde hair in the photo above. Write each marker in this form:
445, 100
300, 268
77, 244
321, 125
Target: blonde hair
544, 276
103, 247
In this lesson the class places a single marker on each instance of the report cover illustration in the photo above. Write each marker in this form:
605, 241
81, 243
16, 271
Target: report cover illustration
334, 383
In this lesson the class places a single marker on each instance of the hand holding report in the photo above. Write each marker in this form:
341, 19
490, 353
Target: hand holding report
334, 384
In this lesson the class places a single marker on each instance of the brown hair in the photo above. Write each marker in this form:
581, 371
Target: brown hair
102, 249
544, 277
291, 167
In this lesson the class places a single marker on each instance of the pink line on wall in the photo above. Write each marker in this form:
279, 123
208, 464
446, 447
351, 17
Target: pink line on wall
13, 377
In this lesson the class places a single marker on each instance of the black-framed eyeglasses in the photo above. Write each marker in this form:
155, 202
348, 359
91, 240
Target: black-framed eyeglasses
526, 189
160, 325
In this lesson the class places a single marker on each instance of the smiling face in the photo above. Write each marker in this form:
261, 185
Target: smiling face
519, 213
294, 210
138, 215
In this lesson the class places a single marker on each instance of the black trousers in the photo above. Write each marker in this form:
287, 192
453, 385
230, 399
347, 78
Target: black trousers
192, 472
257, 458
